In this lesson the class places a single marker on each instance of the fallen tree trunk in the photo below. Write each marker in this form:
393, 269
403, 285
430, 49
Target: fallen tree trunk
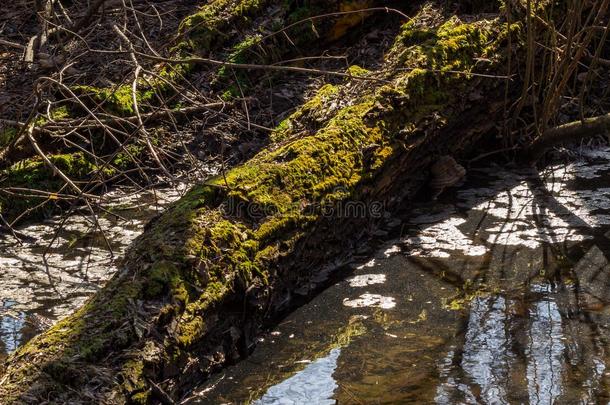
194, 289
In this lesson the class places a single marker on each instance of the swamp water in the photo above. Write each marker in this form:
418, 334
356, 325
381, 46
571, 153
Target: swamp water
497, 293
37, 289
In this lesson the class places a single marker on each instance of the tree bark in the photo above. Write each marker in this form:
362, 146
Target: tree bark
570, 132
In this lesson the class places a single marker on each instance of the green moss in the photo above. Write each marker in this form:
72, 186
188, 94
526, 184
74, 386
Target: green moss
60, 113
34, 173
230, 93
125, 158
314, 110
142, 398
165, 277
309, 168
245, 52
207, 28
191, 327
118, 100
7, 135
357, 71
414, 33
133, 381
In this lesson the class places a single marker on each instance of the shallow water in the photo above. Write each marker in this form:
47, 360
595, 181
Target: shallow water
495, 294
37, 289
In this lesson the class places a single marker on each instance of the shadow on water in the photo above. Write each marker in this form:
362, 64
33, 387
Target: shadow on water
497, 294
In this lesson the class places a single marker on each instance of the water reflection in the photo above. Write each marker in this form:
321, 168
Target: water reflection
33, 293
314, 383
11, 325
545, 350
486, 348
490, 353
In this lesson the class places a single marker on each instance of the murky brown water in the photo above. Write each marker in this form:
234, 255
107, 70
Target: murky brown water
496, 294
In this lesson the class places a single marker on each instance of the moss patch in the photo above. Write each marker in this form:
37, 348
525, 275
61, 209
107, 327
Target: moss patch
35, 174
208, 28
118, 100
7, 135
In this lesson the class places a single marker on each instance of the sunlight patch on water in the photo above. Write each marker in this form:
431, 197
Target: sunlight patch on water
370, 300
439, 239
370, 263
391, 250
514, 211
366, 279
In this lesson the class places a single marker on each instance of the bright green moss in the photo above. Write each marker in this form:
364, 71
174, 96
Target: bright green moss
118, 100
357, 71
314, 110
60, 113
141, 398
450, 47
410, 34
35, 173
133, 380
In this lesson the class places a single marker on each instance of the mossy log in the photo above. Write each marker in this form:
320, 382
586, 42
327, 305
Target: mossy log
194, 289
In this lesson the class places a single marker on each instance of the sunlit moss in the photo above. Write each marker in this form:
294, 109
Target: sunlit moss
357, 71
314, 110
118, 100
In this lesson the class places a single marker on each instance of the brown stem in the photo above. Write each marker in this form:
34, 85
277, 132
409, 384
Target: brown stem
569, 132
